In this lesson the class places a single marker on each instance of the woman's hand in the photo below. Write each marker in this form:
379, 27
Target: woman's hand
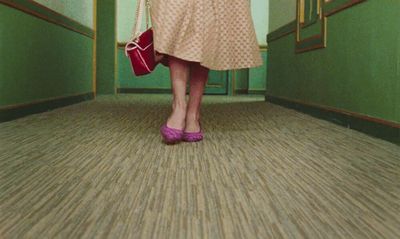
161, 58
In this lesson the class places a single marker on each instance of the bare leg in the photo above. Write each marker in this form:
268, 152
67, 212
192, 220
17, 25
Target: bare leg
179, 73
199, 77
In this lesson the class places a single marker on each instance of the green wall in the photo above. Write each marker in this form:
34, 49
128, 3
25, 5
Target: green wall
258, 76
260, 13
78, 10
358, 71
40, 60
106, 53
126, 12
281, 13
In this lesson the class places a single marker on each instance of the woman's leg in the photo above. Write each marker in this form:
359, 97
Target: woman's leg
198, 80
179, 73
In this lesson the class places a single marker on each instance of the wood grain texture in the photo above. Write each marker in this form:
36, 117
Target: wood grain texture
98, 169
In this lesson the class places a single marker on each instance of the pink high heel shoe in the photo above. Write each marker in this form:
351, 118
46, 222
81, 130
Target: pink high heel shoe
171, 135
193, 136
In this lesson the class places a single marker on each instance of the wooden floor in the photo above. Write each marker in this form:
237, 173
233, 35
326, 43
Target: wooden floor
99, 170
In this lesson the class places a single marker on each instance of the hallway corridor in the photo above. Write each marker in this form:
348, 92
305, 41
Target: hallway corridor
98, 169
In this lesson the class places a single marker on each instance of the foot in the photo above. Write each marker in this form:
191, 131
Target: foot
193, 131
192, 124
192, 137
170, 135
177, 118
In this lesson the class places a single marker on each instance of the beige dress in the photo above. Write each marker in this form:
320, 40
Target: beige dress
219, 34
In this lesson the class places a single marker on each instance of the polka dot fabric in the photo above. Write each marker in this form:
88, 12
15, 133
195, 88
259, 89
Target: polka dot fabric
219, 34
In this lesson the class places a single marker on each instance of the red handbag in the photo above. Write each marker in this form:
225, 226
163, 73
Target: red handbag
141, 53
140, 48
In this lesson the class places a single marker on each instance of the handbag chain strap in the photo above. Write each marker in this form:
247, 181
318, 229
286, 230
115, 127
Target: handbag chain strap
141, 7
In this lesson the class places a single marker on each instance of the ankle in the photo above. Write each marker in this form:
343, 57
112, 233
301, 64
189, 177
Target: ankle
192, 117
181, 107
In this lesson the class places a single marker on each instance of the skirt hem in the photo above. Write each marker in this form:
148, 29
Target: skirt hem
238, 67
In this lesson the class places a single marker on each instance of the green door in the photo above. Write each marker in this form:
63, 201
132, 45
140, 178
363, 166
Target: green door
217, 83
